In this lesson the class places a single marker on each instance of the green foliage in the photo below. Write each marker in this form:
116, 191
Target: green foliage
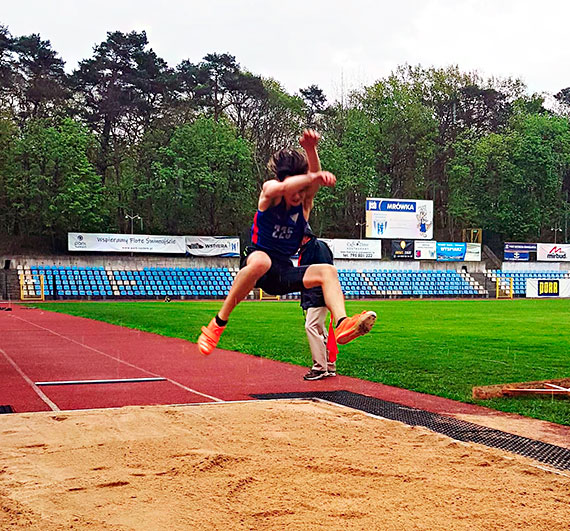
511, 182
484, 150
53, 187
443, 348
349, 151
205, 182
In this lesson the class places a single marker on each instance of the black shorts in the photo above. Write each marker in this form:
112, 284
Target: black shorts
283, 277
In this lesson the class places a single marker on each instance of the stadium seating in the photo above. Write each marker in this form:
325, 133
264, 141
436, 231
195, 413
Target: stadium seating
408, 283
74, 282
519, 278
100, 282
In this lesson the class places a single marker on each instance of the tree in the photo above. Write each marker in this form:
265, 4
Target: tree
315, 100
275, 122
205, 184
217, 83
122, 88
53, 188
41, 78
7, 68
8, 142
511, 182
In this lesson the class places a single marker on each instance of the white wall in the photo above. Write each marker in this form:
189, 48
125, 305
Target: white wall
535, 266
141, 261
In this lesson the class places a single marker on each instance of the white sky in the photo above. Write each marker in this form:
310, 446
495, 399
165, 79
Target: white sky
336, 45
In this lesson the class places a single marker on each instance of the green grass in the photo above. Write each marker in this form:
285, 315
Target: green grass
442, 348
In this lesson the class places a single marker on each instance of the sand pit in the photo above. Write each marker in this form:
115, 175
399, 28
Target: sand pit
261, 465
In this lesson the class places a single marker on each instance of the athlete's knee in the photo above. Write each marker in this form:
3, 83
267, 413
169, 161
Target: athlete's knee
329, 273
320, 274
259, 265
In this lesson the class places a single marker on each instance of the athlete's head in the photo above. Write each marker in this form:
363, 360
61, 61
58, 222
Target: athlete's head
286, 163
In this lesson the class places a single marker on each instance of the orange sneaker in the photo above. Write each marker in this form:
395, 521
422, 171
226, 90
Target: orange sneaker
209, 337
355, 326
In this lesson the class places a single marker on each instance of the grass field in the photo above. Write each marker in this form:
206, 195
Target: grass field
442, 348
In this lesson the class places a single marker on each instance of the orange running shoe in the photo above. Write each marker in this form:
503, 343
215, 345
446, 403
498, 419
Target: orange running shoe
355, 326
209, 337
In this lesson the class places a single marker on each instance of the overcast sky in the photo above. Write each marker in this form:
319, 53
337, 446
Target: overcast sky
336, 45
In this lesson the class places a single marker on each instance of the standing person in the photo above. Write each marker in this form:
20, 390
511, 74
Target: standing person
322, 345
283, 210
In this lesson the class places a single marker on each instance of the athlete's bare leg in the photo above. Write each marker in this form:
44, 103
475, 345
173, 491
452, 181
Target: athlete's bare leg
258, 263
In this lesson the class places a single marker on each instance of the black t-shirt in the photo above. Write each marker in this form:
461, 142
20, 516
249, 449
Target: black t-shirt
314, 252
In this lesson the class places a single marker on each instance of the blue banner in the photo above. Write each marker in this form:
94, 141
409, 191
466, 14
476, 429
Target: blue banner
520, 247
451, 251
391, 205
516, 256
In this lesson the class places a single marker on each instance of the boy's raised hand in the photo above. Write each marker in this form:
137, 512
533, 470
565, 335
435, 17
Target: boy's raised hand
324, 178
309, 139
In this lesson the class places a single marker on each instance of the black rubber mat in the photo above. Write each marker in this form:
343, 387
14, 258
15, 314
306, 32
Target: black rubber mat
459, 430
6, 409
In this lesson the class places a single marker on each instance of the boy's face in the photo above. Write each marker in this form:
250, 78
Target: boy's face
296, 198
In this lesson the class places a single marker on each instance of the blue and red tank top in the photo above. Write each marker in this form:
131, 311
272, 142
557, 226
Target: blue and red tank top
279, 230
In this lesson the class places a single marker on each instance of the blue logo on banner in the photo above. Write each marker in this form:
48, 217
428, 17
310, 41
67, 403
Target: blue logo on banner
516, 256
391, 205
451, 251
398, 206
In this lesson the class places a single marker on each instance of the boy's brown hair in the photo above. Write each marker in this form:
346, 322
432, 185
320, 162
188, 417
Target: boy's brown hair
287, 162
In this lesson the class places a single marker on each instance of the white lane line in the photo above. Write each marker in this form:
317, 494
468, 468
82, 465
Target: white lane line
173, 382
38, 391
110, 381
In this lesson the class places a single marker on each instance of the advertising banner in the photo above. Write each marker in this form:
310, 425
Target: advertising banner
125, 243
517, 256
399, 219
548, 288
356, 249
520, 247
458, 252
402, 249
473, 252
212, 245
425, 250
451, 251
553, 252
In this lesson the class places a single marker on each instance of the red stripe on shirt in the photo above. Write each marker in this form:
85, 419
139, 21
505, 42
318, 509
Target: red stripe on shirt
254, 236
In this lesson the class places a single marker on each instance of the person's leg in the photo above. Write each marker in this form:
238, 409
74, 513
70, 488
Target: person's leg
315, 328
258, 263
347, 328
326, 276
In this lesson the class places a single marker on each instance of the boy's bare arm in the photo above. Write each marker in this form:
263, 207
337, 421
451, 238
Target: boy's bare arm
274, 189
309, 142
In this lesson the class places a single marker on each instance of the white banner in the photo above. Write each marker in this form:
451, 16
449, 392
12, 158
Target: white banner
125, 243
356, 249
548, 288
212, 245
425, 250
552, 252
473, 252
409, 219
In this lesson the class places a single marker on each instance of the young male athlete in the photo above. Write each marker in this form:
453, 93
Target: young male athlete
279, 224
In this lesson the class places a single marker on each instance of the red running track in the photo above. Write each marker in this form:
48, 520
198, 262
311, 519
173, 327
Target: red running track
40, 346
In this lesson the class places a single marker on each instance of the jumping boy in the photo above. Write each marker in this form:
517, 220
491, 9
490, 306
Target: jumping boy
284, 206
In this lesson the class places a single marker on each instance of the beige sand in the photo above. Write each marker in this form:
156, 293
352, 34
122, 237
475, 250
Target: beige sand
270, 465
